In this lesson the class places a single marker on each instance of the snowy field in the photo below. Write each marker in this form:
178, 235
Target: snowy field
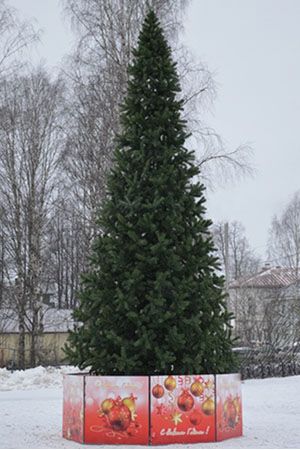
31, 412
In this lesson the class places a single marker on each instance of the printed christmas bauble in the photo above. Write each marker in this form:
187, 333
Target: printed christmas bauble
230, 413
158, 391
130, 402
170, 383
185, 401
197, 388
195, 418
106, 405
237, 404
208, 406
119, 417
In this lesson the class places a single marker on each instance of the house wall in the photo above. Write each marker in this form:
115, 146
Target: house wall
264, 315
49, 348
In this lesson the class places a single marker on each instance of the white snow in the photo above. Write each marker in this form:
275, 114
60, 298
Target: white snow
31, 412
37, 378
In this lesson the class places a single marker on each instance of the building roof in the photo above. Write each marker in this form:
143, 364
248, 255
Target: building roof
53, 320
272, 277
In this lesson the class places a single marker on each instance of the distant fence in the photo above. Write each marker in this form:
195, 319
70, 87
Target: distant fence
48, 349
8, 357
272, 369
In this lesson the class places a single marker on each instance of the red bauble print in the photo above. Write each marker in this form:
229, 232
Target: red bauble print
195, 418
158, 391
185, 401
119, 417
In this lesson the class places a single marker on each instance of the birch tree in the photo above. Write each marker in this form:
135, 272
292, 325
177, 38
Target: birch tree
66, 253
16, 37
284, 250
106, 32
30, 143
242, 260
284, 235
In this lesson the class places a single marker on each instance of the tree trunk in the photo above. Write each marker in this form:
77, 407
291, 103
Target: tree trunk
34, 337
21, 342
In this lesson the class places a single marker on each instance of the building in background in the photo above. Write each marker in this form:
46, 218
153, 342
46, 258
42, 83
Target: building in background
52, 335
267, 308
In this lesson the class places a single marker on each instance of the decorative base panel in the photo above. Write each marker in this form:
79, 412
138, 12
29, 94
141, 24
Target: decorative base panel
153, 410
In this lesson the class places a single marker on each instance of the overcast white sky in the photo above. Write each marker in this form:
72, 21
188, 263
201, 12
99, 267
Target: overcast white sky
253, 47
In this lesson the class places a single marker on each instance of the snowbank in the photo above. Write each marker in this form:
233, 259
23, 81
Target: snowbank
37, 378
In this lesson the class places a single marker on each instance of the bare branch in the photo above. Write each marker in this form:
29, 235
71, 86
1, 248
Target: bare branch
16, 37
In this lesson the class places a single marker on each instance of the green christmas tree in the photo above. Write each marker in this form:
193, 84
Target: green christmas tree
152, 301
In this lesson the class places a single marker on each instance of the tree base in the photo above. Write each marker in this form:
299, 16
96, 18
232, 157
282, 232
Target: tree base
152, 410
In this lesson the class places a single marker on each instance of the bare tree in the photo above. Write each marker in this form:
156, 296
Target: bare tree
107, 30
280, 324
267, 323
284, 235
30, 138
16, 37
66, 253
2, 262
242, 260
284, 250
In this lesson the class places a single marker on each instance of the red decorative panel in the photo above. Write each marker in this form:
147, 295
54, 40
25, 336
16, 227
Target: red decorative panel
116, 410
229, 406
182, 409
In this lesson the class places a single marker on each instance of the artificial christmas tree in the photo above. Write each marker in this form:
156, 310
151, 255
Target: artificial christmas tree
152, 302
152, 306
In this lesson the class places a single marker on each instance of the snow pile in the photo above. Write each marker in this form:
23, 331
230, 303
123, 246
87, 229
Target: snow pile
37, 378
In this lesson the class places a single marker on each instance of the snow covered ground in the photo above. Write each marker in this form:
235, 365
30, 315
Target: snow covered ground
31, 409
